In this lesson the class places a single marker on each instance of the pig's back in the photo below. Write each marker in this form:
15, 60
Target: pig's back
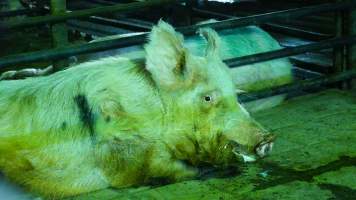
50, 103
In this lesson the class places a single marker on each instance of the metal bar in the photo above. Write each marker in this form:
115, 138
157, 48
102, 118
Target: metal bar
134, 40
289, 51
127, 41
59, 31
304, 74
210, 14
103, 2
71, 50
351, 49
296, 32
31, 21
338, 53
127, 23
14, 13
289, 30
312, 61
284, 15
94, 28
298, 86
244, 21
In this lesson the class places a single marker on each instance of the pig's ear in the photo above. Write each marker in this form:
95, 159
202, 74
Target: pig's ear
165, 55
213, 40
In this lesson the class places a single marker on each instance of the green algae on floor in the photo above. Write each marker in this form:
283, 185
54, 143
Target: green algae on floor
312, 130
293, 190
346, 176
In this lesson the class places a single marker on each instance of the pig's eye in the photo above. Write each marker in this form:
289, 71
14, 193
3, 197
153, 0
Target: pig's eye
208, 98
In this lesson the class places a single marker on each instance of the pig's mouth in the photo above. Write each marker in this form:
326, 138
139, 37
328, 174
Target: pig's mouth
243, 155
261, 150
264, 148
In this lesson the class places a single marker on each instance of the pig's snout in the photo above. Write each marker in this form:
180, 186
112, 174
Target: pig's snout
265, 146
262, 149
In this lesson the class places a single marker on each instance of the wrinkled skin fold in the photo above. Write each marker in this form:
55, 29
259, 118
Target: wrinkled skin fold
117, 123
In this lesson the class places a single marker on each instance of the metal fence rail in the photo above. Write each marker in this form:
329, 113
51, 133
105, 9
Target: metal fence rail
298, 86
139, 39
32, 21
283, 15
14, 13
63, 52
59, 53
290, 51
244, 21
70, 50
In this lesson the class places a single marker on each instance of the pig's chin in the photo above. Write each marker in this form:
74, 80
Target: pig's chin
244, 157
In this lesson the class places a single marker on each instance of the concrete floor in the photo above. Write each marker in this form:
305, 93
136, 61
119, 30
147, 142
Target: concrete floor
314, 158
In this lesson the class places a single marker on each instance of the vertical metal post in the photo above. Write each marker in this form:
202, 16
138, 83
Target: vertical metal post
59, 31
189, 6
351, 49
339, 61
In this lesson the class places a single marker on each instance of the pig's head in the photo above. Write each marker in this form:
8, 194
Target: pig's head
204, 123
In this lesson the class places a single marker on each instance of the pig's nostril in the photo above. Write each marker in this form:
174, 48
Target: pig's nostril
264, 149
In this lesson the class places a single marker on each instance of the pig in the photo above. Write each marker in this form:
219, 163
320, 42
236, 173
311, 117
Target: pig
117, 122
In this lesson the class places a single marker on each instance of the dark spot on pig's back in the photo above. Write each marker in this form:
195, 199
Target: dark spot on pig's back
86, 114
64, 126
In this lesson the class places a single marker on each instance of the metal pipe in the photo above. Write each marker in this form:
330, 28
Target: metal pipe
14, 13
284, 15
59, 31
289, 51
71, 50
127, 23
298, 86
127, 41
350, 52
244, 21
138, 39
269, 26
338, 52
32, 21
296, 32
94, 28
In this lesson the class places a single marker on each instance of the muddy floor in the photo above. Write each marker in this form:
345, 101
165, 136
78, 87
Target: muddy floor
314, 158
